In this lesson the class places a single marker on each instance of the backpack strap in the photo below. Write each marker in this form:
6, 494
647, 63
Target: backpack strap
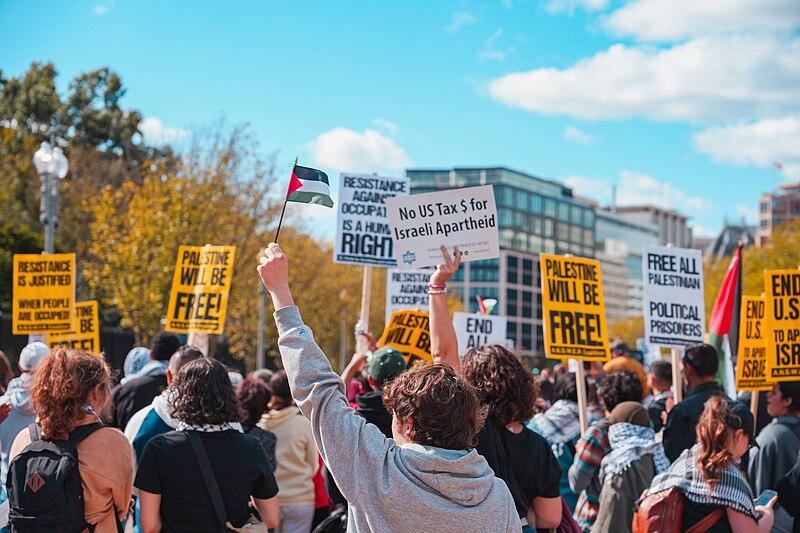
208, 477
81, 432
35, 432
705, 524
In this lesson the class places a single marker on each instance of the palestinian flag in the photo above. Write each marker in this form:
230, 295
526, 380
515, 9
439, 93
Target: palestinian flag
726, 315
309, 186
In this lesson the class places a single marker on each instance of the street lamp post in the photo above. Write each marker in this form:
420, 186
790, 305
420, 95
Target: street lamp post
52, 166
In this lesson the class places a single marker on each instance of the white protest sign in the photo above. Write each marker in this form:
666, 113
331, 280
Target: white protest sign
363, 236
473, 330
422, 223
406, 289
674, 306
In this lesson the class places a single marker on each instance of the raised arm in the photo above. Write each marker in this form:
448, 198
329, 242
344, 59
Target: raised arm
444, 344
344, 439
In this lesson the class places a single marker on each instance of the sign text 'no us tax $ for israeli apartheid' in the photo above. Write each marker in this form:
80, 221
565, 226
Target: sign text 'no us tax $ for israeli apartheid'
422, 223
573, 312
782, 288
43, 293
363, 236
86, 335
674, 305
408, 332
751, 365
198, 300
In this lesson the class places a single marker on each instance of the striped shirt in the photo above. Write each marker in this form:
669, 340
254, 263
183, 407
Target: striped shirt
584, 472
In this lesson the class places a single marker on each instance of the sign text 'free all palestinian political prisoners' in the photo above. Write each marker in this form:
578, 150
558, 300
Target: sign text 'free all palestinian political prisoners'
408, 332
751, 365
674, 304
86, 335
198, 300
406, 289
422, 223
573, 310
43, 293
363, 236
782, 288
474, 330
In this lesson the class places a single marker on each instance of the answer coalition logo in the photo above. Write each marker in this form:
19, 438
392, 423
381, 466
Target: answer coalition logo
409, 257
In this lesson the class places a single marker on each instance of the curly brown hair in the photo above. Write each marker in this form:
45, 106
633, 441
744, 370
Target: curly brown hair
505, 386
203, 394
443, 409
61, 385
714, 431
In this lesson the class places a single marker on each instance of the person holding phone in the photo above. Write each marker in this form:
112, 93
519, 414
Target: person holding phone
778, 445
708, 475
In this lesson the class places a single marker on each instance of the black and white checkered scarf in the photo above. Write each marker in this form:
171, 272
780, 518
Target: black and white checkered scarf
732, 489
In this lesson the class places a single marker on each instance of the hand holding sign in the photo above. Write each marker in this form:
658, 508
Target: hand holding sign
448, 268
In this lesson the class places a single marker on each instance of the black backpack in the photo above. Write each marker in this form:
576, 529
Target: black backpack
44, 485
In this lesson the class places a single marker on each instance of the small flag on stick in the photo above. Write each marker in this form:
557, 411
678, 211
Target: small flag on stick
306, 186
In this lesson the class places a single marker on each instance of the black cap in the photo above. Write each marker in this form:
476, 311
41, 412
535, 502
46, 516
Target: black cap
742, 419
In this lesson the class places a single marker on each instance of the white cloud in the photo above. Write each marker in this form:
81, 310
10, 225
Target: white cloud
460, 19
387, 125
762, 143
156, 133
698, 230
737, 77
636, 188
672, 20
102, 8
569, 6
593, 188
491, 52
344, 149
748, 213
575, 135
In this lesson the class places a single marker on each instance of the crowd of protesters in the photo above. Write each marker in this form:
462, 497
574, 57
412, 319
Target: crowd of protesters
471, 442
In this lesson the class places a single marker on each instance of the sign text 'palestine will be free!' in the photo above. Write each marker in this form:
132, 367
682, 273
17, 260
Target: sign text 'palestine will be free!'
573, 308
86, 335
198, 300
408, 332
782, 288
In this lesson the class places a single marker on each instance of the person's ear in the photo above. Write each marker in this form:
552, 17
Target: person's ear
170, 377
408, 429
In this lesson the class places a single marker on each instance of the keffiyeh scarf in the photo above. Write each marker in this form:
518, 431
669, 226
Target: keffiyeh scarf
558, 425
629, 442
732, 490
210, 428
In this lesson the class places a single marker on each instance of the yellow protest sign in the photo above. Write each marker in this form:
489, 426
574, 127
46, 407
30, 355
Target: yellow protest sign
751, 365
407, 332
86, 335
782, 288
573, 310
198, 300
43, 293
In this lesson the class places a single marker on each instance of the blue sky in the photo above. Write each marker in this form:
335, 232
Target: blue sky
686, 105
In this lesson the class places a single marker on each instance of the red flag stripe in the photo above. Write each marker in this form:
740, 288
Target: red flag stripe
720, 321
294, 184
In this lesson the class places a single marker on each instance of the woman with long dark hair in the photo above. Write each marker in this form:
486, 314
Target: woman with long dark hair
176, 494
709, 477
254, 396
296, 455
69, 390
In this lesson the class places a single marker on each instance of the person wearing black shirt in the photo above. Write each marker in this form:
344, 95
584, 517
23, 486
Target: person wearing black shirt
518, 456
137, 393
173, 493
699, 371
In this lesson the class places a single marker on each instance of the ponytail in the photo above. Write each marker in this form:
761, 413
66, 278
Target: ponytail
713, 435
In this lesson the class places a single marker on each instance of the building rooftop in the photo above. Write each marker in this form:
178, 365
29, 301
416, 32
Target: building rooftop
649, 207
461, 176
725, 243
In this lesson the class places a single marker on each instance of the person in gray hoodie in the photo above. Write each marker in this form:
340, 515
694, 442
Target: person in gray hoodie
429, 477
17, 396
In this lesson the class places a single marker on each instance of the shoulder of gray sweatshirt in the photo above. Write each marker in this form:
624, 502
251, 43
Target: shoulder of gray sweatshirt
389, 487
